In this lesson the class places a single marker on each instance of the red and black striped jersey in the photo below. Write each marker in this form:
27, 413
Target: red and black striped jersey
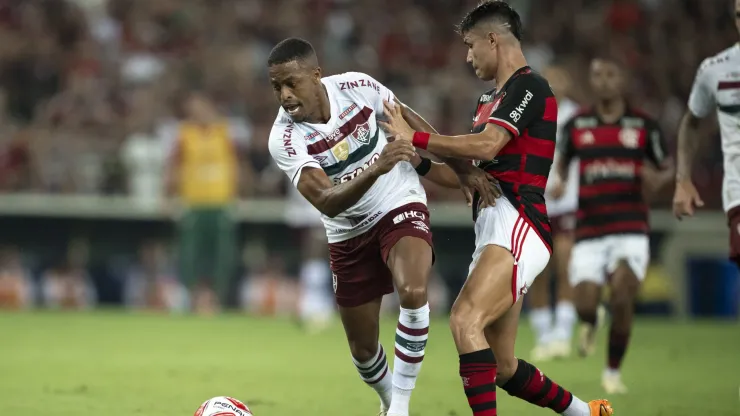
526, 107
611, 157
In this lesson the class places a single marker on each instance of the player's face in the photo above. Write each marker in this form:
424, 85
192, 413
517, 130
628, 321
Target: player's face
606, 79
481, 54
297, 89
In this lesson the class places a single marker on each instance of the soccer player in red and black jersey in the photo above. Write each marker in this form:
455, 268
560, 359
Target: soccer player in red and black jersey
513, 138
612, 141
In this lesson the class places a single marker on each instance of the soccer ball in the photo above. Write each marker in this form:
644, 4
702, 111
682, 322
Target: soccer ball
223, 406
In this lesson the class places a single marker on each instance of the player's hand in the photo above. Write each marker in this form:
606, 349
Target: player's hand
685, 199
395, 125
558, 188
479, 180
393, 152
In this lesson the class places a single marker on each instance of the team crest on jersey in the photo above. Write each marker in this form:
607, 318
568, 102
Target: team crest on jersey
630, 138
341, 150
362, 133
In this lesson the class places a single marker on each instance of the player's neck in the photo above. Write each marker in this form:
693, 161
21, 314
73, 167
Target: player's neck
512, 60
324, 108
611, 110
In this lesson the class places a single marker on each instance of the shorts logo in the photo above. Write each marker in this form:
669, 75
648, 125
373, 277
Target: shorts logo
334, 281
409, 215
421, 226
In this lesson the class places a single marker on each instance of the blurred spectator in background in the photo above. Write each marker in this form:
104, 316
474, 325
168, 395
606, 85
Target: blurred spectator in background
67, 284
151, 283
265, 288
204, 169
17, 289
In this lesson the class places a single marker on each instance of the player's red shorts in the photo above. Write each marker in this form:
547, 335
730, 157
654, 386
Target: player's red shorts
358, 265
563, 224
733, 220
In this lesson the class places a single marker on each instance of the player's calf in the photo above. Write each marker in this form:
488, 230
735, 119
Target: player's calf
587, 296
410, 262
624, 288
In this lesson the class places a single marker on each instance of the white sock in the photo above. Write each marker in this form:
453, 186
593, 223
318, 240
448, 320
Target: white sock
411, 340
611, 372
376, 374
541, 321
577, 408
315, 299
565, 320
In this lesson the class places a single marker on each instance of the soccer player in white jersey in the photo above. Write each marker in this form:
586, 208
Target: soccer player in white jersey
326, 139
716, 86
553, 336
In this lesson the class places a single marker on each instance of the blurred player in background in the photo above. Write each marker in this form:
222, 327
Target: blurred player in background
327, 140
553, 336
315, 308
612, 141
717, 85
513, 138
203, 173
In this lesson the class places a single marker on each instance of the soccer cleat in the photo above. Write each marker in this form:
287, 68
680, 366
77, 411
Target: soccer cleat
612, 383
541, 353
600, 408
559, 349
586, 340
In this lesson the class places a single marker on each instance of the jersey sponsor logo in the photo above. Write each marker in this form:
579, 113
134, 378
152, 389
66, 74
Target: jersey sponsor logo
359, 83
287, 143
486, 98
362, 133
341, 150
516, 114
312, 135
408, 215
630, 138
351, 175
633, 122
609, 169
346, 112
321, 159
364, 223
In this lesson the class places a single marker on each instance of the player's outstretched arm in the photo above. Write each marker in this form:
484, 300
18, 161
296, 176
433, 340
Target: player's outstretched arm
331, 200
453, 173
686, 196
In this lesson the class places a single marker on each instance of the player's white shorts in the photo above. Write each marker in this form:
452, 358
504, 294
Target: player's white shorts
502, 225
568, 203
594, 259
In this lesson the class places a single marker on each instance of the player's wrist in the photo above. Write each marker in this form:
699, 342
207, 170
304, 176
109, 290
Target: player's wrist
424, 166
420, 139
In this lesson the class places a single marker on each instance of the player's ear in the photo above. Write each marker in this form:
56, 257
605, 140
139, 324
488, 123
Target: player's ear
492, 38
317, 73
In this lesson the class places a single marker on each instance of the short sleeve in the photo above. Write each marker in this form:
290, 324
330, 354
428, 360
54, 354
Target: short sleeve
701, 100
565, 148
523, 103
289, 151
656, 144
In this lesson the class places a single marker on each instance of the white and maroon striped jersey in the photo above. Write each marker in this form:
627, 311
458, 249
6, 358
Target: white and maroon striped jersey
344, 147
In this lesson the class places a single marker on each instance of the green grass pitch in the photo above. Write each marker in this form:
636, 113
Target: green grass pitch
120, 364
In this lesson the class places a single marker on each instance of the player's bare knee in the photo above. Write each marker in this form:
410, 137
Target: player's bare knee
465, 320
412, 296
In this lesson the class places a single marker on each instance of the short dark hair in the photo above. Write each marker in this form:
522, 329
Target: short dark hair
290, 49
495, 10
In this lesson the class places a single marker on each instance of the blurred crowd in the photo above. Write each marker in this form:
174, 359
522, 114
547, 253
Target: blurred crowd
91, 91
109, 97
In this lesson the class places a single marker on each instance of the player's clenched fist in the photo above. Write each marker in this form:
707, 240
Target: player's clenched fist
394, 152
685, 199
